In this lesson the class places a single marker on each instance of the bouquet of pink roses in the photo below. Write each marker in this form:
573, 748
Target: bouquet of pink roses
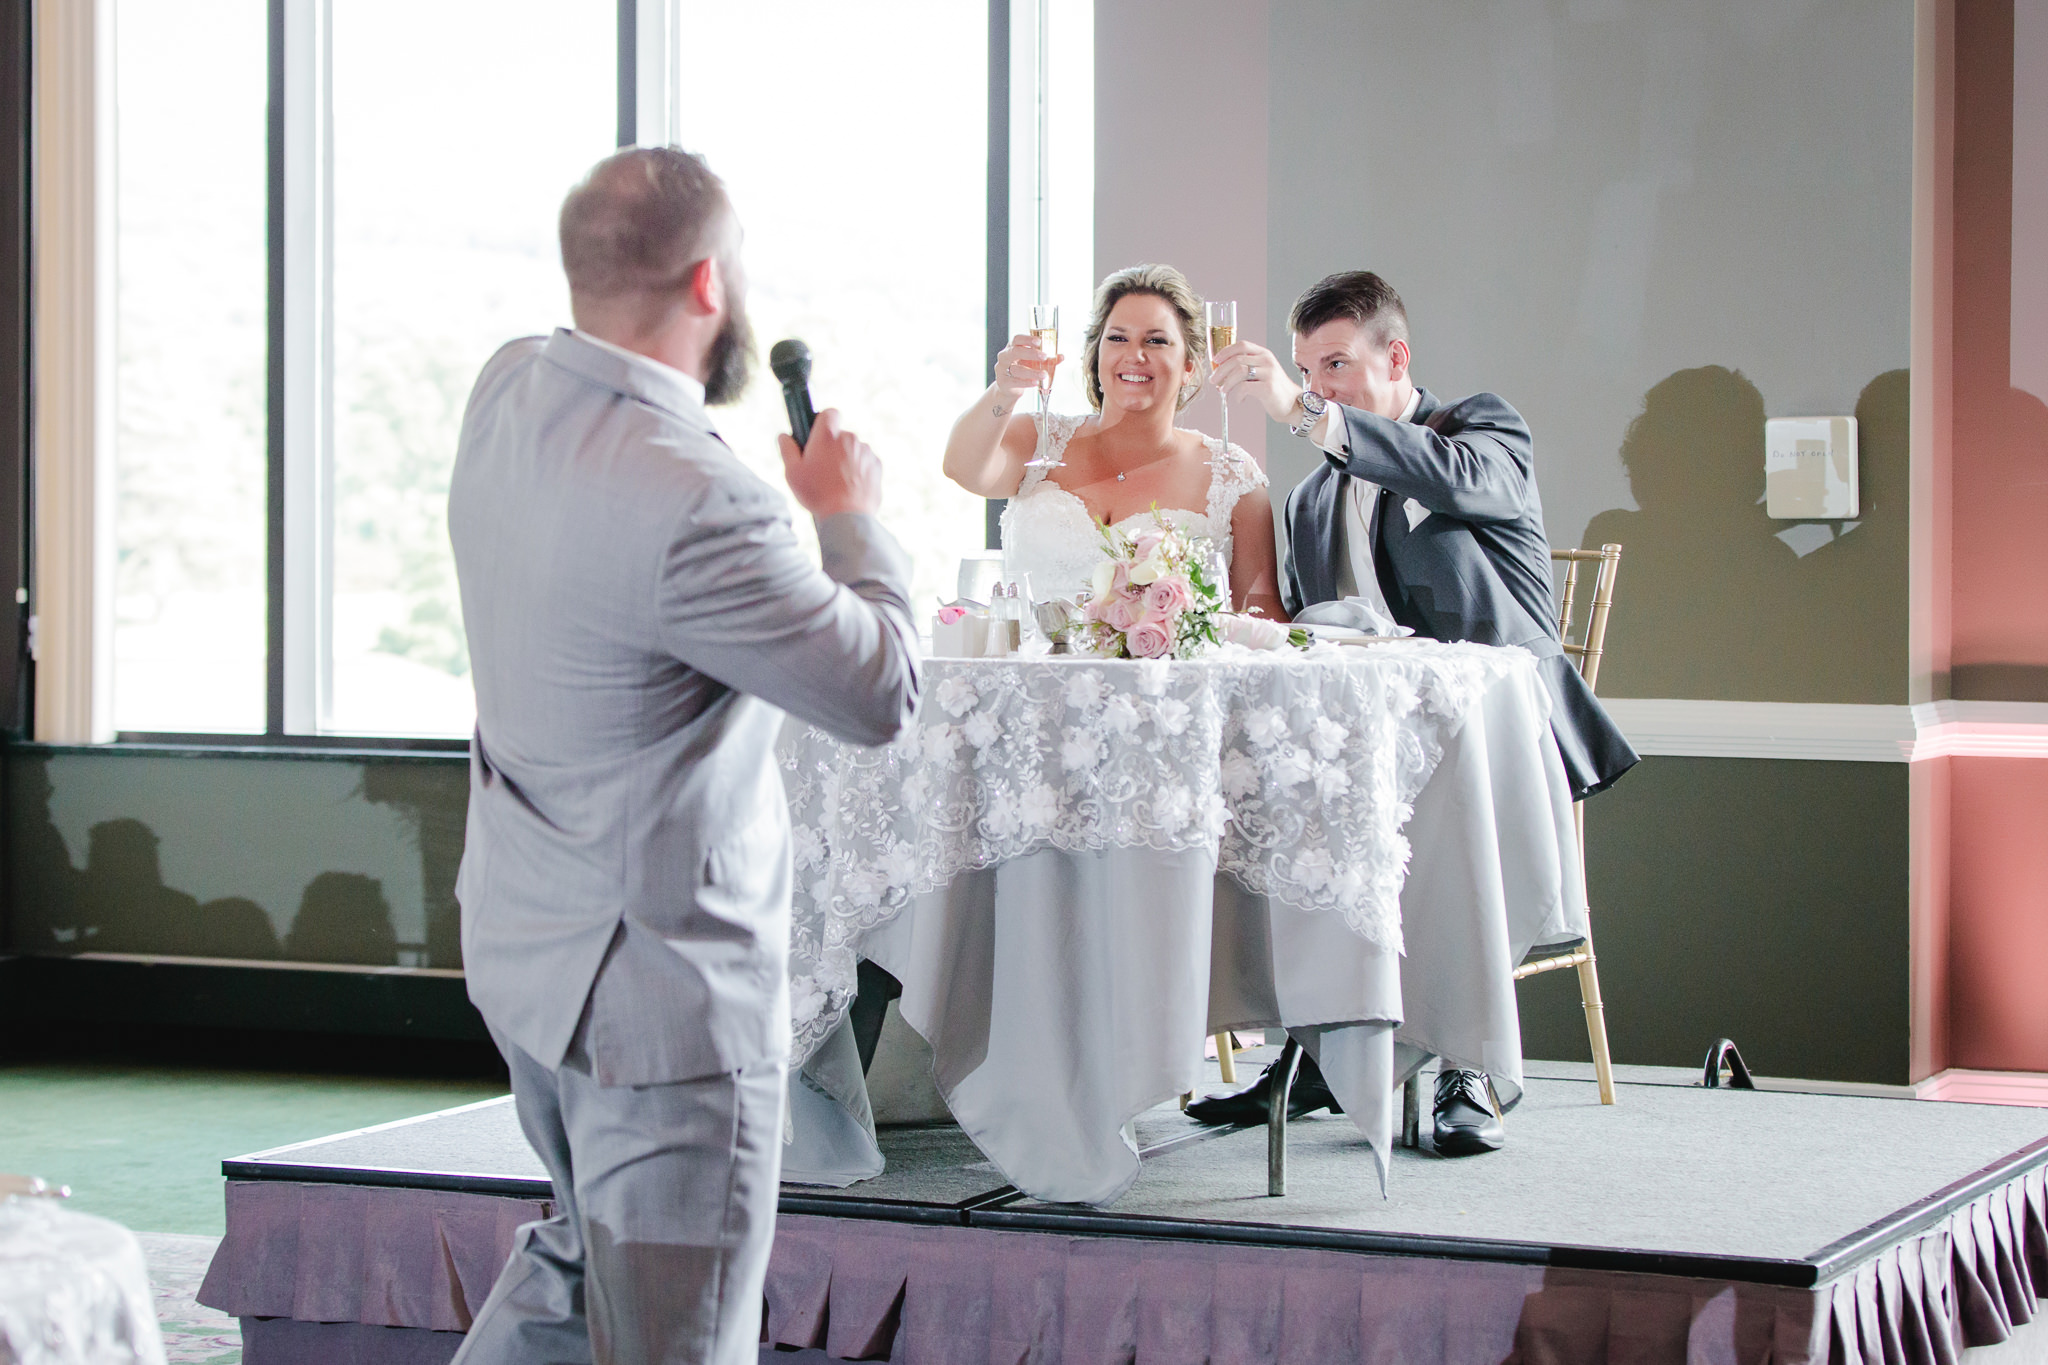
1153, 596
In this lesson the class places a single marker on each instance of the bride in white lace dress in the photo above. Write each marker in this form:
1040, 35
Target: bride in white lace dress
1145, 354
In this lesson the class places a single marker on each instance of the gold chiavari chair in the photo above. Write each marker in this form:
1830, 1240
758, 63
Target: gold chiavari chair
1585, 652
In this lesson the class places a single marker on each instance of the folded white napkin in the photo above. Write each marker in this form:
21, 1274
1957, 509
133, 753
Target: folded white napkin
1355, 613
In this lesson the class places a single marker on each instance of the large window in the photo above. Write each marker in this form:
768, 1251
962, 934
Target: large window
331, 213
188, 601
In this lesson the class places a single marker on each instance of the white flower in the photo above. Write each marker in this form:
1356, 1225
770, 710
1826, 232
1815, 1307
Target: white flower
1332, 782
1265, 724
805, 1000
1084, 690
1148, 569
1152, 676
820, 891
1314, 868
957, 695
1349, 884
914, 789
1240, 774
808, 846
899, 866
1291, 766
864, 887
1213, 815
981, 730
1176, 805
1002, 819
1040, 807
941, 742
1170, 715
1326, 737
1104, 578
1079, 751
1123, 716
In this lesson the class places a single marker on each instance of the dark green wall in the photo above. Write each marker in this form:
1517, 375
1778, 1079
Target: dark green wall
341, 858
1760, 900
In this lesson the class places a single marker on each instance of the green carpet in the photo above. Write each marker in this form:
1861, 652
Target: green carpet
142, 1143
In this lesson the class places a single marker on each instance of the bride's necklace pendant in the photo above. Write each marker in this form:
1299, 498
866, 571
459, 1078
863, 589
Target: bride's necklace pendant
1119, 478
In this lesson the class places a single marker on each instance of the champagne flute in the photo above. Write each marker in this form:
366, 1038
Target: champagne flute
1221, 316
1045, 330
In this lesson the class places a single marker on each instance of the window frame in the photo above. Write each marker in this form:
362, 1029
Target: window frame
298, 419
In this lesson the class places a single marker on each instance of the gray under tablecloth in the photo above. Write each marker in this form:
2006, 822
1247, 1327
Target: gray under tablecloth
1065, 993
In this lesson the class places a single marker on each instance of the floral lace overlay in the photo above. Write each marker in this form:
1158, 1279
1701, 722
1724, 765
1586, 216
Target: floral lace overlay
1299, 770
1049, 534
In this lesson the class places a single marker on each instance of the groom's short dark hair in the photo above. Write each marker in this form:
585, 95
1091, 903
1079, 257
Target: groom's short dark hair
1358, 295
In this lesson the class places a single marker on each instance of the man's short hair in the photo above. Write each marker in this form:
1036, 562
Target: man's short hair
639, 222
1358, 295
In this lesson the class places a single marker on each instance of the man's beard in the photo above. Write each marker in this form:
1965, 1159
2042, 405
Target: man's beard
730, 362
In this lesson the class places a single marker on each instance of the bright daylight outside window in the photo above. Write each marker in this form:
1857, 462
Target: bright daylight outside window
858, 162
189, 370
458, 126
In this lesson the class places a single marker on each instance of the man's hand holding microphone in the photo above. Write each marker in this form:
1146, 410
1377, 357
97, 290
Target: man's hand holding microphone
830, 470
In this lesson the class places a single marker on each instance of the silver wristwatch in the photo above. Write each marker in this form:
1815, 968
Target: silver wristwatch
1312, 405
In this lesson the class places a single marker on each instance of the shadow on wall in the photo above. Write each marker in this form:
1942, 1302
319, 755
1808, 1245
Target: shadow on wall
1717, 600
119, 903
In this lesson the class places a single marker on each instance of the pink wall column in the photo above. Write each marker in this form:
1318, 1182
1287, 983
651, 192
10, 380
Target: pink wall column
1998, 945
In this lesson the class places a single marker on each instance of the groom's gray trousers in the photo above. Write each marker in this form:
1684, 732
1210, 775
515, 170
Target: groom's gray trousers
659, 1243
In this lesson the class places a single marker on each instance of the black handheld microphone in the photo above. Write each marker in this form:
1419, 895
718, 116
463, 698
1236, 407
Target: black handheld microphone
791, 362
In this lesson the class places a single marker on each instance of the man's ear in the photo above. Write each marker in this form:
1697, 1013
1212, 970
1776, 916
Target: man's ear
707, 286
1397, 358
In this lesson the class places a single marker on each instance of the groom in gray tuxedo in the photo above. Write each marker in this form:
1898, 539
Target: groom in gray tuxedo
640, 615
1428, 510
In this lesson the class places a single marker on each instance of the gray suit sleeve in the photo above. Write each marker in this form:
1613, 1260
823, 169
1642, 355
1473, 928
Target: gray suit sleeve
1479, 471
741, 602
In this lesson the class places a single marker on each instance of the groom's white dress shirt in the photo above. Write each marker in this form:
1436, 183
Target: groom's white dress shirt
1356, 576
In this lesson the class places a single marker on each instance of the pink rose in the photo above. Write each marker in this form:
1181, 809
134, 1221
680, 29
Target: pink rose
1148, 640
1168, 596
948, 615
1123, 611
1146, 543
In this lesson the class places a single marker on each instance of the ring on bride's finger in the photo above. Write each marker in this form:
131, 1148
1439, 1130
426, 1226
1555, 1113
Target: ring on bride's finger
1252, 373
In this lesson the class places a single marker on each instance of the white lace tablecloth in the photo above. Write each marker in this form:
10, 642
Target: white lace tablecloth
1297, 771
73, 1289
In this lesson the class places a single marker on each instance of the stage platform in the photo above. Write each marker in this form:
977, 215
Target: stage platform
1682, 1224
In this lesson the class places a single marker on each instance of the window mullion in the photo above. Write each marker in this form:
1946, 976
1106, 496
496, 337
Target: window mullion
308, 333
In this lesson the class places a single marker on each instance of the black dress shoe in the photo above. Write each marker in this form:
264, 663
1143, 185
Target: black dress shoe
1248, 1106
1467, 1114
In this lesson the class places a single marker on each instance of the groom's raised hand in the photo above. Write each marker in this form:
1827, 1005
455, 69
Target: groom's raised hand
835, 472
1249, 368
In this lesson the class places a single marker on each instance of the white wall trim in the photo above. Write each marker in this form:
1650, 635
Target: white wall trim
73, 450
1838, 732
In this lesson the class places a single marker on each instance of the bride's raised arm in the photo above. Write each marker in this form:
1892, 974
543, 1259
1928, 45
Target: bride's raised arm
990, 443
1254, 566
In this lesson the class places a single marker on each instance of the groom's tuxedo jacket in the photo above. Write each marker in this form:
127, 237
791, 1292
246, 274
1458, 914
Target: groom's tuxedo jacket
640, 615
1475, 567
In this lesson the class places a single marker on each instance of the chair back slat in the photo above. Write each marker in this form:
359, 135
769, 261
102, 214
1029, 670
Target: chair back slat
1587, 651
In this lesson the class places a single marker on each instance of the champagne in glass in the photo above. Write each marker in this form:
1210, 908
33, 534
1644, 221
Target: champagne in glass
1045, 330
1222, 319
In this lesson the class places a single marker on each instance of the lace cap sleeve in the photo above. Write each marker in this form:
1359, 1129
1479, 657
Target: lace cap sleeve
1232, 474
1059, 429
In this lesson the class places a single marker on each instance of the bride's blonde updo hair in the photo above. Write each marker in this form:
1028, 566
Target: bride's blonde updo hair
1161, 281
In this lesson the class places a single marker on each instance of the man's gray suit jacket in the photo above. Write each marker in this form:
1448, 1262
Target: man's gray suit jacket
1476, 568
640, 615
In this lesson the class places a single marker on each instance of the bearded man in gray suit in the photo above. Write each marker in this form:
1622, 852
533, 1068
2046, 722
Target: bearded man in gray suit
640, 615
1429, 511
